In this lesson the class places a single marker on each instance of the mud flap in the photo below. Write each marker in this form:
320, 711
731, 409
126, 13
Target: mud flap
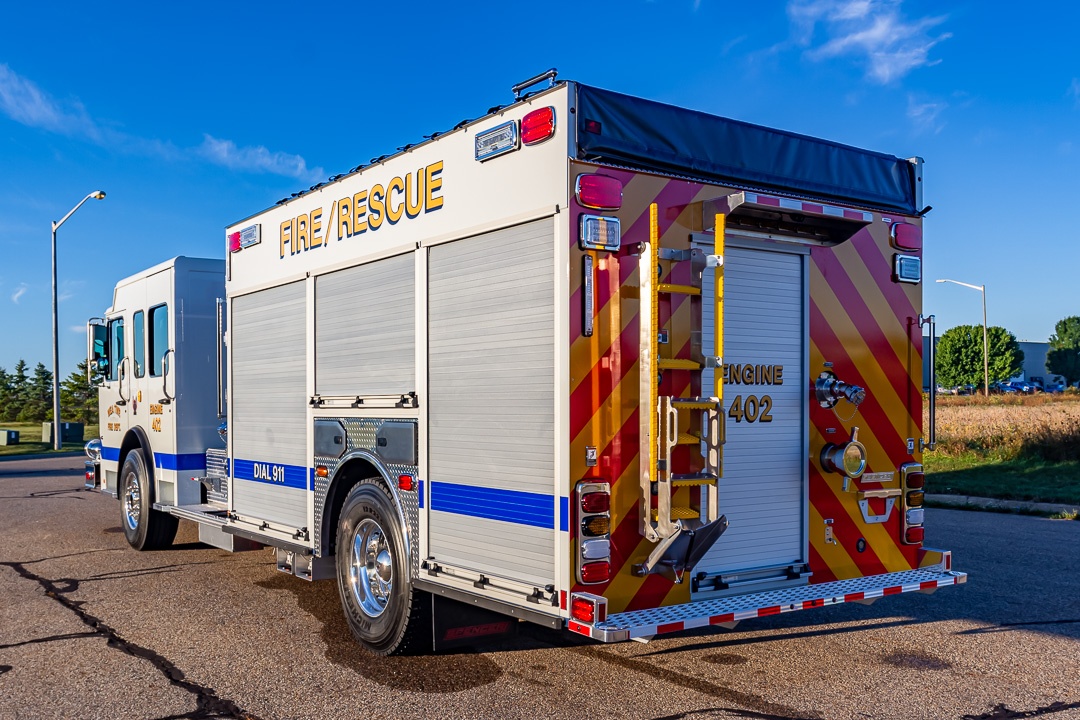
456, 624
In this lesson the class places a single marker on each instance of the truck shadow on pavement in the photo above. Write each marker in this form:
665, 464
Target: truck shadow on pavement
425, 674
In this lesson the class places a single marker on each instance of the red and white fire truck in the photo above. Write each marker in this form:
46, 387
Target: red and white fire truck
588, 360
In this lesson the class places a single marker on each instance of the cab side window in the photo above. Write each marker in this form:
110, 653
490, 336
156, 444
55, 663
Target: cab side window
138, 331
159, 338
116, 348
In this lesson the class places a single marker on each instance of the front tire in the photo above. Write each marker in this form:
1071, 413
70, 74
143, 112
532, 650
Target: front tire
384, 613
144, 527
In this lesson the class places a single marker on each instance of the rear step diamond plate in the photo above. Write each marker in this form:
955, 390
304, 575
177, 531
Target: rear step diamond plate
647, 623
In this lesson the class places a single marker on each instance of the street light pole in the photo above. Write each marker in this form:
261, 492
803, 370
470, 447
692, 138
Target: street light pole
986, 344
97, 195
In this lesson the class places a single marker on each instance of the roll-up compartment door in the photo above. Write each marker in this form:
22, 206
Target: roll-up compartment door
268, 405
763, 488
365, 332
491, 389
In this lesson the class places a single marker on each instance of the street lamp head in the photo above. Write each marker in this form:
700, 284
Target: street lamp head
98, 195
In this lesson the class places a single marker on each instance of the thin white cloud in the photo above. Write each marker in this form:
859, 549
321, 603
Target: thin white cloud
1074, 91
81, 329
255, 159
26, 103
925, 114
874, 32
19, 292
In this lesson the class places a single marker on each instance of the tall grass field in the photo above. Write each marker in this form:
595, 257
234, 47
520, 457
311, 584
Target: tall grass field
1007, 446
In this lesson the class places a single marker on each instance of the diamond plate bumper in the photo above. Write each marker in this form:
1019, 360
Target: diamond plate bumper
647, 623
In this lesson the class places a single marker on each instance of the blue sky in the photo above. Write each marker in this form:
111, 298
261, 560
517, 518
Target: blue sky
193, 116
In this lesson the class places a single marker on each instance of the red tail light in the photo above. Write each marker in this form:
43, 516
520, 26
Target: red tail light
915, 480
538, 125
234, 242
907, 236
406, 482
914, 535
583, 610
599, 192
596, 572
595, 502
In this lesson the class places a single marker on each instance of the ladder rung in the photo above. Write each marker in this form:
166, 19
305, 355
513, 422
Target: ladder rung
677, 289
694, 404
695, 476
687, 439
677, 364
680, 513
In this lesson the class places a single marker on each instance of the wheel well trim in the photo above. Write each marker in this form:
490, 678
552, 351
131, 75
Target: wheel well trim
384, 473
136, 439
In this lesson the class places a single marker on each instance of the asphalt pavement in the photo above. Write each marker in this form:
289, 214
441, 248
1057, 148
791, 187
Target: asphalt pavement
89, 628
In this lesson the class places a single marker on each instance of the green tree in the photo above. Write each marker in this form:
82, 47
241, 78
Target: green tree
78, 400
1063, 358
960, 355
37, 406
5, 393
18, 388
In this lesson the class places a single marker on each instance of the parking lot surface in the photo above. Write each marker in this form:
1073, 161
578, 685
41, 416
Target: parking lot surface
90, 628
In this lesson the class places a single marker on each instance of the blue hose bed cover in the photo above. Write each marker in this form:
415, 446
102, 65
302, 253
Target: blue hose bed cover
647, 135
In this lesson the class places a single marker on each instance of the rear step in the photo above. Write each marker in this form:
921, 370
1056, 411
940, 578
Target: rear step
644, 624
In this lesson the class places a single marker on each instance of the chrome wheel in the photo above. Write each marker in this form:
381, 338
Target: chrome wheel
371, 568
132, 500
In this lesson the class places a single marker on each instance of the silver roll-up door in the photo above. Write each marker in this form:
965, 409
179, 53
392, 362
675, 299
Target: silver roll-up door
763, 488
491, 398
268, 425
365, 331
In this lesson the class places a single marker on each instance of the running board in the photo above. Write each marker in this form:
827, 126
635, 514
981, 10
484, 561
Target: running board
727, 611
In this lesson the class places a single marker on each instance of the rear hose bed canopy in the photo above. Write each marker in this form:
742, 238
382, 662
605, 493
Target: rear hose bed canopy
652, 136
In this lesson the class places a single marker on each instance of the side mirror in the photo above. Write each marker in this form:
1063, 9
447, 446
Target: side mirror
97, 351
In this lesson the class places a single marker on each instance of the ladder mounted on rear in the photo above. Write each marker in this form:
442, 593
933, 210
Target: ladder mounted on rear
682, 532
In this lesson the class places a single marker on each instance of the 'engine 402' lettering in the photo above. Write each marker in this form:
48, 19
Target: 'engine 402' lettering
751, 408
269, 473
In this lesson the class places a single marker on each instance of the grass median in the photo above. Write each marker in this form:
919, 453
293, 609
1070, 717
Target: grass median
30, 442
1009, 447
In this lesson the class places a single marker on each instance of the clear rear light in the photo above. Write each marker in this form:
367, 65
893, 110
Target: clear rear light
538, 125
598, 192
600, 233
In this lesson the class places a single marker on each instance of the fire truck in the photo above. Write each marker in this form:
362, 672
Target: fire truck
588, 360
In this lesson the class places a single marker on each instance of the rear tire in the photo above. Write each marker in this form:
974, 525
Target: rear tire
144, 527
384, 613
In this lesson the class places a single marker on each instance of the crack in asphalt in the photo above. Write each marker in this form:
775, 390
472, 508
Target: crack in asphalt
1002, 712
207, 703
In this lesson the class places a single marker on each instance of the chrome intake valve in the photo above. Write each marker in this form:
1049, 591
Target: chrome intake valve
831, 389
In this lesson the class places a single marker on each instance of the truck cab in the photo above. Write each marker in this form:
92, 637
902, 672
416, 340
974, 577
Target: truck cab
155, 348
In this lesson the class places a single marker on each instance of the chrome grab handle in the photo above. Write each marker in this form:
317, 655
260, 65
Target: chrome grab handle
220, 358
120, 381
165, 378
932, 431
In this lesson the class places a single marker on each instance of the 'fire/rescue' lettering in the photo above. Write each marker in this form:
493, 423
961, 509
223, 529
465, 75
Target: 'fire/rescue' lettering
369, 209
